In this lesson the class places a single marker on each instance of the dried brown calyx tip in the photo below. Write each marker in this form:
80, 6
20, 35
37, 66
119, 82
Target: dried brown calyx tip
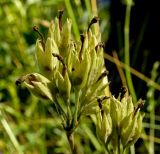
82, 37
100, 100
140, 105
100, 44
60, 18
93, 21
18, 82
105, 73
36, 29
60, 58
123, 92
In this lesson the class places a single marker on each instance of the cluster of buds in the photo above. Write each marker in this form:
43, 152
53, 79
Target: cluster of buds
71, 72
119, 121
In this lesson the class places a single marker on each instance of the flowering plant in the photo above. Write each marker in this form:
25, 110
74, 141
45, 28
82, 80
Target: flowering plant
72, 75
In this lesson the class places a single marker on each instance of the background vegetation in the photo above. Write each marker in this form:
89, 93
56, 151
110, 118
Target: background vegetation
31, 126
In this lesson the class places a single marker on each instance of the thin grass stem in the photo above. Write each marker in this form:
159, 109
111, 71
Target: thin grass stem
72, 16
10, 133
141, 76
127, 53
95, 14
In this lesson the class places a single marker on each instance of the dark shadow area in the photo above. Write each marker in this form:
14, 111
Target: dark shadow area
144, 40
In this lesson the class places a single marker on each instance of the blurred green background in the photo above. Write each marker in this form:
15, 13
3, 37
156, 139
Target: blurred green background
31, 126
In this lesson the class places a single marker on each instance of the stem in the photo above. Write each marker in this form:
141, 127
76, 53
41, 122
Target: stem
70, 140
92, 137
139, 75
95, 14
152, 132
132, 149
74, 122
151, 99
88, 6
117, 145
71, 14
77, 95
126, 51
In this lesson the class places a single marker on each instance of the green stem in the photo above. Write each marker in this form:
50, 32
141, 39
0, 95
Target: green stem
77, 95
132, 149
71, 126
95, 13
151, 99
127, 53
70, 140
152, 132
91, 136
79, 7
88, 6
71, 14
117, 146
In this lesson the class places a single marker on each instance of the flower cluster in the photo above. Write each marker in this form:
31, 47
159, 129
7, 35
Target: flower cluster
73, 76
72, 73
119, 122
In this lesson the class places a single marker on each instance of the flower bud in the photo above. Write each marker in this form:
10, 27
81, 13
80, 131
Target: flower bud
80, 71
54, 31
51, 30
131, 127
66, 35
93, 68
46, 61
127, 106
63, 84
104, 126
115, 111
97, 88
38, 85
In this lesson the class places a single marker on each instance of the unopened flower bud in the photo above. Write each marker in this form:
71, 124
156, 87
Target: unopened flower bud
131, 127
104, 126
80, 70
46, 61
63, 84
66, 35
56, 33
115, 111
38, 85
